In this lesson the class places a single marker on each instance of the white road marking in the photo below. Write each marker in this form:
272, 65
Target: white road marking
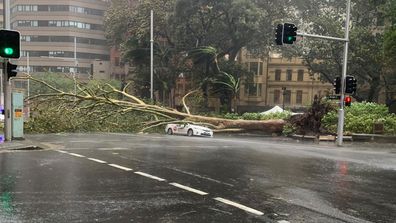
96, 160
120, 167
283, 221
240, 206
61, 151
150, 176
75, 154
188, 189
203, 177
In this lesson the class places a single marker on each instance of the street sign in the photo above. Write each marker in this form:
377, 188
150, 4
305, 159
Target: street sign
334, 97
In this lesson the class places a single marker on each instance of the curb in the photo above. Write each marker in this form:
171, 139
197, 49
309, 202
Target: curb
374, 138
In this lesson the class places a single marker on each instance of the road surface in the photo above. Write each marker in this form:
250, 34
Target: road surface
160, 178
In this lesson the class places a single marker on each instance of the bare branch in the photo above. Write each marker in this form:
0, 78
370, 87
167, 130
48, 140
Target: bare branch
184, 100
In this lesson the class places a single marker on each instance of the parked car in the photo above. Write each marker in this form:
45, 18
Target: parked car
188, 129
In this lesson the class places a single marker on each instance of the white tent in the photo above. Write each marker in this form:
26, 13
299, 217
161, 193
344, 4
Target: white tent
275, 109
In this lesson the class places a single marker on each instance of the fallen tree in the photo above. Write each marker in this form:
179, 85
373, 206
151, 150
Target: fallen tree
101, 102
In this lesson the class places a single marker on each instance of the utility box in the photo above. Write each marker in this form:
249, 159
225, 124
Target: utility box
17, 115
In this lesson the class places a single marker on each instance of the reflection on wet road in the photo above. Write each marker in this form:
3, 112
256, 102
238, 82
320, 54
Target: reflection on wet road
124, 178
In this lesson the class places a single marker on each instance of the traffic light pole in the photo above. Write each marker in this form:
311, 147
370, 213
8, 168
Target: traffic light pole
340, 127
7, 104
6, 82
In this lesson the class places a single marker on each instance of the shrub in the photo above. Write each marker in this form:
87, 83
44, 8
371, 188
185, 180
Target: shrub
360, 117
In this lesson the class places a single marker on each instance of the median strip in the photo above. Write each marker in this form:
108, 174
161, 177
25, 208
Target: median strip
150, 176
96, 160
120, 167
240, 206
188, 189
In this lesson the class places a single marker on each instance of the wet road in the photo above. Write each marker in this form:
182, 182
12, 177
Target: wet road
155, 178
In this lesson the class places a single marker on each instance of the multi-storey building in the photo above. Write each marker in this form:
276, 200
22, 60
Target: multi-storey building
285, 82
62, 36
277, 81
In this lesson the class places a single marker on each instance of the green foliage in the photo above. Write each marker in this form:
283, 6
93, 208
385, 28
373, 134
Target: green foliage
366, 58
234, 116
360, 117
49, 117
258, 116
288, 129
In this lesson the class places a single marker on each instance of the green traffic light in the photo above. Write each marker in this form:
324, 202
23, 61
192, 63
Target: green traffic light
291, 38
8, 51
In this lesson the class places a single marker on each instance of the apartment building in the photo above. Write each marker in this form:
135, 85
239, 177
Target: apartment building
62, 36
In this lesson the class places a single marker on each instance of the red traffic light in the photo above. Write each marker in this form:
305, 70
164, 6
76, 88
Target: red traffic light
348, 101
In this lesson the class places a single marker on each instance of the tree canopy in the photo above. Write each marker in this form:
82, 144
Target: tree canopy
227, 26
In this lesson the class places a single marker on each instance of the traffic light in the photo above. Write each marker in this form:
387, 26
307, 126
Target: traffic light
337, 85
279, 34
350, 85
11, 70
289, 33
347, 101
10, 44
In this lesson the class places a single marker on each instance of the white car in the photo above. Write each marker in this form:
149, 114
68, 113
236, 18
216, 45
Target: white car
188, 129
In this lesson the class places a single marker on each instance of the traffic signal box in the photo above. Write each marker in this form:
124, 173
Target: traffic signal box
285, 34
10, 44
289, 33
337, 85
350, 85
279, 34
11, 70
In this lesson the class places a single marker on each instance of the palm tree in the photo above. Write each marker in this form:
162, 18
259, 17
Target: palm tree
228, 85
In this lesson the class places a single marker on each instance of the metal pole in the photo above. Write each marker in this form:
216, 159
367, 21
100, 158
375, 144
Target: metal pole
75, 67
151, 54
6, 83
340, 127
28, 72
321, 37
283, 97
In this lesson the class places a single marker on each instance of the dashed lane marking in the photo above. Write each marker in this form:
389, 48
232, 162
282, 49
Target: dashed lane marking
150, 176
283, 221
96, 160
61, 151
75, 154
120, 167
240, 206
188, 189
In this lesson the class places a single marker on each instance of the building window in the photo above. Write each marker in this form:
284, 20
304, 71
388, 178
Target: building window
287, 96
278, 75
300, 76
299, 95
253, 89
254, 68
289, 75
116, 61
276, 96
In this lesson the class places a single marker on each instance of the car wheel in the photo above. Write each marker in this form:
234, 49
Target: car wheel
169, 132
190, 132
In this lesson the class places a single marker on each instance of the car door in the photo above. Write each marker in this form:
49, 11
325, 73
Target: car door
182, 129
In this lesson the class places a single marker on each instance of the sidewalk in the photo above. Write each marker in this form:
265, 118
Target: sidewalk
20, 145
